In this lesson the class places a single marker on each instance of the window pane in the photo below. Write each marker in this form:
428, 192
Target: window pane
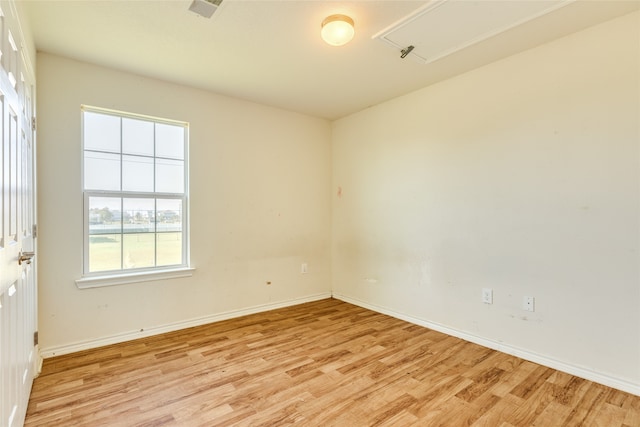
139, 215
169, 176
104, 252
169, 249
139, 250
101, 132
101, 171
105, 215
169, 215
105, 225
137, 173
137, 137
169, 141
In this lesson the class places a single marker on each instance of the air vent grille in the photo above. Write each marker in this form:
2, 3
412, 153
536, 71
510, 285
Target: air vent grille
205, 8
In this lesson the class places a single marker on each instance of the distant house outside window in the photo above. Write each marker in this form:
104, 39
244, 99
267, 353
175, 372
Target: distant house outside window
135, 186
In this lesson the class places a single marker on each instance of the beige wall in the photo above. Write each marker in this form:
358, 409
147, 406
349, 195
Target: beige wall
260, 206
522, 176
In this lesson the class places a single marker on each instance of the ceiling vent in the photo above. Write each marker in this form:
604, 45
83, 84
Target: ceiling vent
442, 27
205, 8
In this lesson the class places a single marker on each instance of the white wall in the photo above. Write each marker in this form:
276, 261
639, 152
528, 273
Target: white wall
260, 206
522, 176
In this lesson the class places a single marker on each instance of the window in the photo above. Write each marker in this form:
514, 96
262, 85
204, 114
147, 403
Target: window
135, 193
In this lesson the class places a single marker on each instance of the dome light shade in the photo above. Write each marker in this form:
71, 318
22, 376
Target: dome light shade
337, 30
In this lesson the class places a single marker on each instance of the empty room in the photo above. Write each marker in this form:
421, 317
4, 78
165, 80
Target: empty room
362, 213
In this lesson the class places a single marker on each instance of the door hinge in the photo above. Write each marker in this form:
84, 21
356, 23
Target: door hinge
34, 230
35, 338
33, 124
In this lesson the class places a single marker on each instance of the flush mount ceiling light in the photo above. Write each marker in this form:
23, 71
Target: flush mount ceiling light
337, 30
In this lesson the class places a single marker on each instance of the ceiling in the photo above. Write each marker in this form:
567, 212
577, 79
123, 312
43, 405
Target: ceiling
270, 51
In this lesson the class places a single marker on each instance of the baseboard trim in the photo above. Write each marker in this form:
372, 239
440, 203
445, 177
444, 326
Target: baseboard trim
143, 333
578, 371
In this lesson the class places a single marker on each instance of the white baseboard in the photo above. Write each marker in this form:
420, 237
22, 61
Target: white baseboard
132, 335
578, 371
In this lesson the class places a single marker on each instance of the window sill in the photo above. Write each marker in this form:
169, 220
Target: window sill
122, 279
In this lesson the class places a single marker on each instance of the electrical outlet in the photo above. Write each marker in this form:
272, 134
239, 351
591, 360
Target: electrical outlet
528, 303
304, 269
487, 296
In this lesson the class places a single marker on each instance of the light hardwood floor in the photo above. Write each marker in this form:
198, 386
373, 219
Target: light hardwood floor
325, 363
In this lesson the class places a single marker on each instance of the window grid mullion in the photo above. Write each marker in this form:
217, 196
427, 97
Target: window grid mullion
121, 201
155, 232
121, 233
155, 159
155, 225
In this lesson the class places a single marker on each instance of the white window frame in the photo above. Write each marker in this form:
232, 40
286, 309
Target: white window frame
132, 275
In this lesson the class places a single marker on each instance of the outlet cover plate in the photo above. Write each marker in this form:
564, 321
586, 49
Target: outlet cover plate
528, 303
487, 296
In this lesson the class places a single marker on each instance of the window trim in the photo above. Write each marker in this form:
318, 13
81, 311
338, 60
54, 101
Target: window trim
123, 276
138, 276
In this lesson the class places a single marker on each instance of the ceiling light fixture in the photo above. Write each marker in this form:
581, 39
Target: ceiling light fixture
337, 30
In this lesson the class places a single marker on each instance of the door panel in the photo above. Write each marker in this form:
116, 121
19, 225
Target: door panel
18, 293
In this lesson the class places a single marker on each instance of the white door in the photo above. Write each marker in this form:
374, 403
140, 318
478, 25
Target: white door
18, 299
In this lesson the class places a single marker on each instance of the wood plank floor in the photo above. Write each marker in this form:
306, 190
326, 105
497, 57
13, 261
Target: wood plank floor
325, 363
